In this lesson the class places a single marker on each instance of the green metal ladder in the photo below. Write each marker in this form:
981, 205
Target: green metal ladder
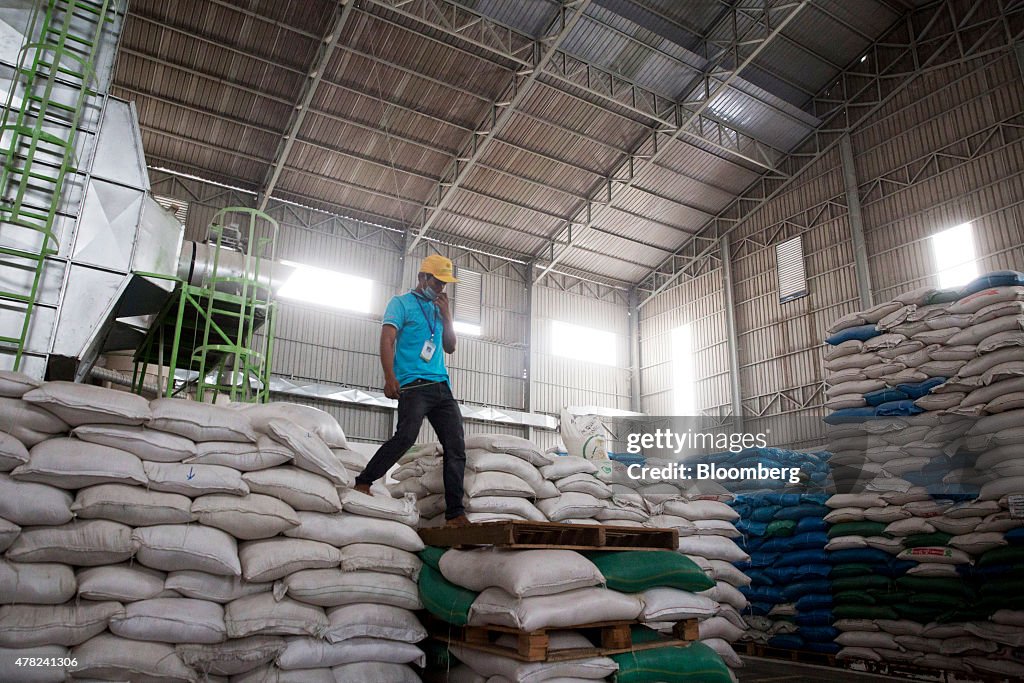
57, 59
210, 329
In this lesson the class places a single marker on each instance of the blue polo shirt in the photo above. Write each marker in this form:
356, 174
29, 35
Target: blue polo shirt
413, 316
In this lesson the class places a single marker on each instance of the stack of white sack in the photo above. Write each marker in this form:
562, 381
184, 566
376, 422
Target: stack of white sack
706, 532
502, 480
588, 497
146, 544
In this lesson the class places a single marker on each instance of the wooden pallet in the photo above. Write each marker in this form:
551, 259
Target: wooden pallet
533, 646
919, 673
524, 535
798, 656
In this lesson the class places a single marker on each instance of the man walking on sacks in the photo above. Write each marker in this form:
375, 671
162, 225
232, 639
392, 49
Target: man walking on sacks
414, 325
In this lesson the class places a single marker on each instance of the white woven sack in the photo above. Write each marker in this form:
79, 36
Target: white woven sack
888, 513
715, 527
568, 465
856, 500
68, 624
584, 483
513, 445
1001, 667
849, 654
933, 570
274, 558
487, 461
622, 513
333, 588
994, 490
1011, 636
27, 423
1000, 521
309, 418
356, 456
16, 384
200, 421
311, 453
997, 310
242, 455
978, 332
1009, 339
870, 639
9, 531
397, 509
12, 453
303, 491
521, 507
119, 582
580, 606
132, 505
672, 604
1001, 371
171, 620
11, 671
1009, 617
965, 644
986, 297
719, 627
379, 558
194, 480
272, 674
193, 547
262, 614
1005, 403
85, 544
846, 543
28, 504
684, 526
723, 570
859, 387
500, 668
36, 584
849, 320
954, 526
147, 444
378, 672
725, 593
846, 348
78, 404
571, 505
984, 394
72, 464
935, 554
521, 573
496, 484
109, 658
712, 548
344, 529
364, 620
232, 657
245, 517
213, 587
846, 401
311, 653
893, 546
846, 514
940, 401
724, 650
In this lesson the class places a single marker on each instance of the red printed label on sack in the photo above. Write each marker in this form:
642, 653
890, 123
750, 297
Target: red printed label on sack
937, 552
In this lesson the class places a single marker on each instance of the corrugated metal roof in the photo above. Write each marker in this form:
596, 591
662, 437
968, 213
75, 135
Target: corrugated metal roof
216, 83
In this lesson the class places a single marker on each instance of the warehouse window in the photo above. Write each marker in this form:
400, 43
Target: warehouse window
789, 261
327, 288
582, 343
468, 301
176, 206
683, 381
954, 256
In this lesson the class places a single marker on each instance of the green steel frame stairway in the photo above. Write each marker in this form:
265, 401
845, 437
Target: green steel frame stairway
40, 153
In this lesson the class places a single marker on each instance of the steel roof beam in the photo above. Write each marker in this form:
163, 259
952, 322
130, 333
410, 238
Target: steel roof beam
741, 50
939, 34
324, 52
498, 116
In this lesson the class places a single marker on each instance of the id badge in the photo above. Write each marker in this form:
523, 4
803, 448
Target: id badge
428, 350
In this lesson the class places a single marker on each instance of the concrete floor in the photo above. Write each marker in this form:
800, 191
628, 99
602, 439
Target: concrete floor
758, 670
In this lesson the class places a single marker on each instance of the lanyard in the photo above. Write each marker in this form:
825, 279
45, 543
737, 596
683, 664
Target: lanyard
430, 325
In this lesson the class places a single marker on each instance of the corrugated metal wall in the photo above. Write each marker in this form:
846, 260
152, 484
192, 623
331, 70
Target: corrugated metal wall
945, 151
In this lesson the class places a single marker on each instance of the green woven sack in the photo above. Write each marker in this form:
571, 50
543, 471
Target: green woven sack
780, 527
932, 584
633, 571
920, 613
695, 663
1013, 554
1008, 585
853, 598
431, 556
937, 538
863, 612
841, 571
856, 529
861, 583
943, 601
444, 599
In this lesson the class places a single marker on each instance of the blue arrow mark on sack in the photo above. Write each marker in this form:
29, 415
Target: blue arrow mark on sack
190, 474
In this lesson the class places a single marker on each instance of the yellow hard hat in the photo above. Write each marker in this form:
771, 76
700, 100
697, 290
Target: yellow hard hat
438, 266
